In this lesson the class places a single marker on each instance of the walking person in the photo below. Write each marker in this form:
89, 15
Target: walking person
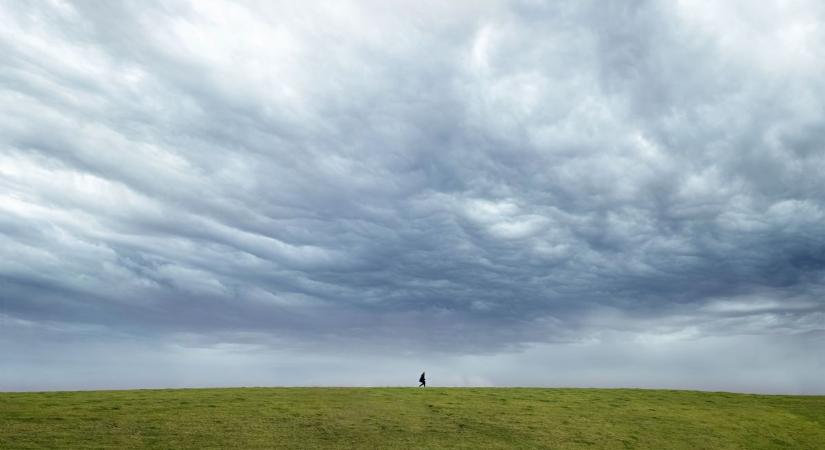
422, 380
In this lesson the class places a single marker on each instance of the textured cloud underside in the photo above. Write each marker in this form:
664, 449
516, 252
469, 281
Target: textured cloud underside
465, 178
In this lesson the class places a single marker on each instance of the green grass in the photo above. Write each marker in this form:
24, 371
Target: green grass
409, 418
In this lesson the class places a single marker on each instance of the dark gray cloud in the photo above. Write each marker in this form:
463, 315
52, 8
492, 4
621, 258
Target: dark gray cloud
477, 184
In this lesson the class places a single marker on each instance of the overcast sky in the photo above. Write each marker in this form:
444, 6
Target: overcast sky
348, 193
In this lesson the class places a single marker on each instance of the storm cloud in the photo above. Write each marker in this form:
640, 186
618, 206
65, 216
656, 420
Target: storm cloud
577, 193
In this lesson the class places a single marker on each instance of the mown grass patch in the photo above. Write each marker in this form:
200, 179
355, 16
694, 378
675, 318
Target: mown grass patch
410, 418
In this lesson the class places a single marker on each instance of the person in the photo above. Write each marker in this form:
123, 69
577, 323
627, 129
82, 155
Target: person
422, 380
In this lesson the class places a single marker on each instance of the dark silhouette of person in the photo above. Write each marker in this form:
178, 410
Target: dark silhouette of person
422, 380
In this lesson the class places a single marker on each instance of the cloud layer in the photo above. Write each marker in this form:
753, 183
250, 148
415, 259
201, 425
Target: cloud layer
420, 180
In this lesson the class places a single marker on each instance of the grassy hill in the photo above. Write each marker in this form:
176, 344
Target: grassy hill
408, 418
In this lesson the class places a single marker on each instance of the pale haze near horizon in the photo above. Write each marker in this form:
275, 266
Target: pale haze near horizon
600, 194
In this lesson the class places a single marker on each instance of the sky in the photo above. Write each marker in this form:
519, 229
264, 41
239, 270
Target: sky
523, 193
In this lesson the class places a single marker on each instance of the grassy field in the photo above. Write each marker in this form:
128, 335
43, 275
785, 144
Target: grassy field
410, 418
